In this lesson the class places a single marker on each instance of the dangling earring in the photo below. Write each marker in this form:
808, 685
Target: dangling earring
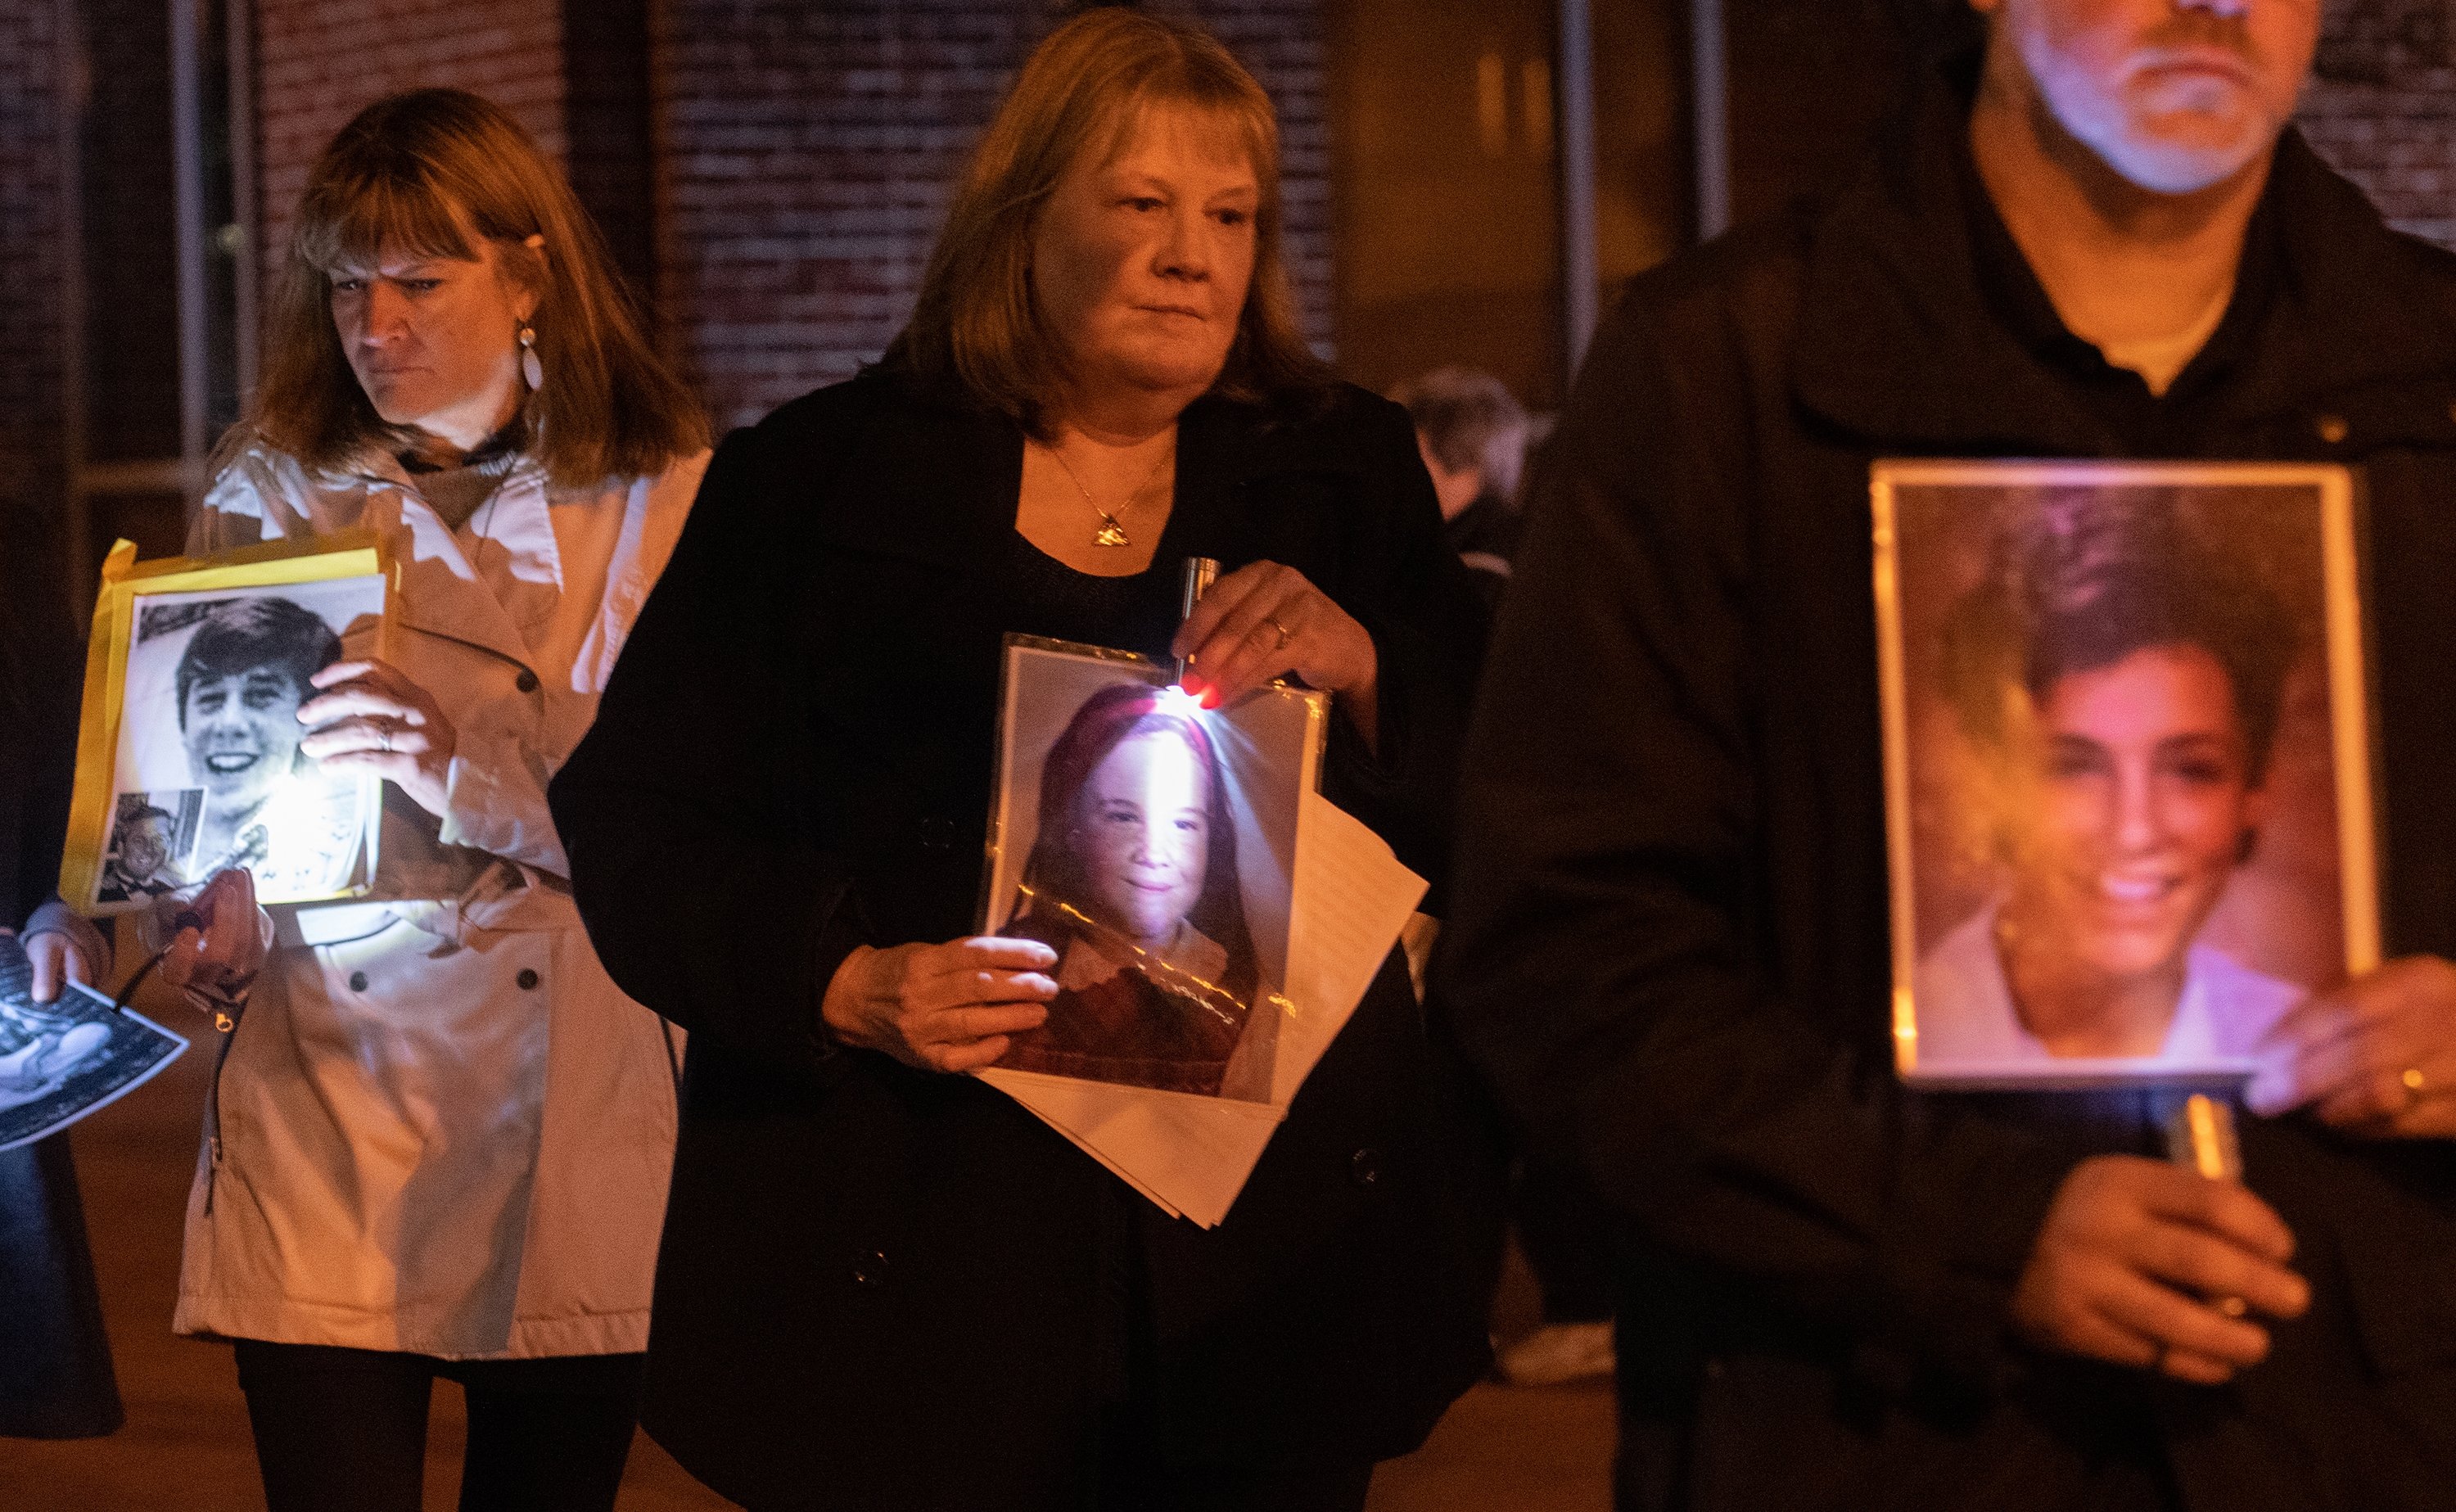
531, 368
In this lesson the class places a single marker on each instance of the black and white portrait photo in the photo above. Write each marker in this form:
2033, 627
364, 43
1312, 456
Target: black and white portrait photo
1150, 841
148, 832
206, 772
2127, 761
61, 1060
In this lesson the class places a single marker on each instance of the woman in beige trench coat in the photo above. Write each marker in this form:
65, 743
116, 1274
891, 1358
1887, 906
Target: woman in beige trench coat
439, 1137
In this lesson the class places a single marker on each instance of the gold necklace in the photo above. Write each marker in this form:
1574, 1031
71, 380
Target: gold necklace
1111, 531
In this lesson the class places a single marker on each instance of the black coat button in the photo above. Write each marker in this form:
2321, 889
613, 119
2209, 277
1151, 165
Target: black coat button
526, 681
358, 981
937, 833
1364, 1167
527, 980
869, 1268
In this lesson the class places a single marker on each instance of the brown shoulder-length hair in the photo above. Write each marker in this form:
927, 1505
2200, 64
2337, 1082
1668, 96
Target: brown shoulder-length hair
416, 172
975, 325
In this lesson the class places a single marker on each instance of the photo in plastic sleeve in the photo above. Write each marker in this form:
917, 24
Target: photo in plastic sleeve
1151, 844
61, 1060
207, 773
2127, 765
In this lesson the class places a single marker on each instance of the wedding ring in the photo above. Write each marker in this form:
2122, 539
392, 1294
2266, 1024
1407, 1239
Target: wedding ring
383, 733
1285, 632
2412, 1079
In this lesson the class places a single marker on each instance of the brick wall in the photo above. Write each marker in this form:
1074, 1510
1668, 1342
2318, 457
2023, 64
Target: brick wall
2383, 108
806, 153
318, 62
33, 344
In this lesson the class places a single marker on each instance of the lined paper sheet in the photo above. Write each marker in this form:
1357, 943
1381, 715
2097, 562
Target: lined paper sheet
1352, 898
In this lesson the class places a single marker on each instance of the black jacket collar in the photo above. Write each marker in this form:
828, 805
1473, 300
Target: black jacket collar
936, 476
1902, 344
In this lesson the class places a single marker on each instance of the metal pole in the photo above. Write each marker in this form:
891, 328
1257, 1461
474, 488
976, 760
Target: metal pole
188, 212
82, 564
238, 26
1709, 87
1581, 281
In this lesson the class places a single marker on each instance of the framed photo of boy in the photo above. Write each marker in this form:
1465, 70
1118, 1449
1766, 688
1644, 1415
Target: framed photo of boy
188, 758
2127, 756
1151, 842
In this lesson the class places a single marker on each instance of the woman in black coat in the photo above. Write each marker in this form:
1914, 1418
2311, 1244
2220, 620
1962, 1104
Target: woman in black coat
883, 1286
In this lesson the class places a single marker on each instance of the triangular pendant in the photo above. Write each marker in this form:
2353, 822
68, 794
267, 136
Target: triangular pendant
1112, 534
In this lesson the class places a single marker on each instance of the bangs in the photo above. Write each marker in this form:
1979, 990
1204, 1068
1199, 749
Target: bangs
356, 218
1216, 116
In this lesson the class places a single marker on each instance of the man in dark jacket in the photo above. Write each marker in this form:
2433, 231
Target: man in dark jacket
1669, 940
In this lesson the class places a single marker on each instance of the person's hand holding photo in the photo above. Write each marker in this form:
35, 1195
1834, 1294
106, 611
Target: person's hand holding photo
57, 961
2376, 1056
369, 717
1265, 621
221, 946
945, 1007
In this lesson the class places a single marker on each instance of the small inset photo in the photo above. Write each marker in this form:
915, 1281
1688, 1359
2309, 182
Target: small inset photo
2127, 762
152, 836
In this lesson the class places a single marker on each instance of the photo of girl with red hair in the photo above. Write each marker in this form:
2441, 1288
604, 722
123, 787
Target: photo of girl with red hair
1132, 880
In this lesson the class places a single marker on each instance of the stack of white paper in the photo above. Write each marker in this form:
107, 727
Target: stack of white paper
1189, 1153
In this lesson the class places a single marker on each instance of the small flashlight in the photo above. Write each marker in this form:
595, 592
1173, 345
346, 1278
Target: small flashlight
2201, 1136
1200, 573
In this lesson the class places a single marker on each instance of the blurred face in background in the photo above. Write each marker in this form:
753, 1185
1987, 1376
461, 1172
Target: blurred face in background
2175, 97
2140, 801
1456, 488
1140, 264
435, 342
1144, 835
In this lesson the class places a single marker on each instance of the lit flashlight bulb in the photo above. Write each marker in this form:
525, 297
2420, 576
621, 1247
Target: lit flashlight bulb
1175, 700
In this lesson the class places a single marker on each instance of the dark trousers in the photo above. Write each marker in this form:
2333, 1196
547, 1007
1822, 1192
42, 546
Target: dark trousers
1129, 1485
1567, 1240
55, 1380
344, 1430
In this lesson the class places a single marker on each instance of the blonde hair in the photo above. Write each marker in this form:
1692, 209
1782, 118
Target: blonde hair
414, 174
976, 324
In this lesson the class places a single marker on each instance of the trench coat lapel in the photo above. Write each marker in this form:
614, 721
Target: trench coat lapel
441, 593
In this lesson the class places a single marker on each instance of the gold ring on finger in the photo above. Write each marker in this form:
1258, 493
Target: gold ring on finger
1285, 634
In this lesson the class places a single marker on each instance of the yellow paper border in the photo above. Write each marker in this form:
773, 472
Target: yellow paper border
345, 554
